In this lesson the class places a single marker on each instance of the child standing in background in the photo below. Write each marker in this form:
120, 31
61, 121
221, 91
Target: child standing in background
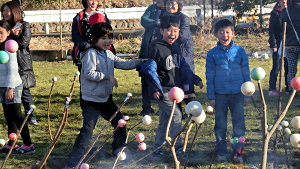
97, 82
227, 68
10, 97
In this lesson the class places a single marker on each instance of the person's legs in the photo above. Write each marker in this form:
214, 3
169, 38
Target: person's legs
221, 110
27, 101
165, 108
107, 110
90, 116
274, 71
11, 125
14, 109
236, 106
292, 59
285, 74
146, 101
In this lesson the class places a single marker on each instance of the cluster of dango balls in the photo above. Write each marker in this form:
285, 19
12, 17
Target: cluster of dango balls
248, 89
140, 137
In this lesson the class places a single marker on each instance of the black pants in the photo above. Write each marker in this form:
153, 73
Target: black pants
91, 112
14, 120
275, 70
27, 101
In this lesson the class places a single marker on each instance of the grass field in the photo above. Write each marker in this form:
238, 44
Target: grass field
129, 82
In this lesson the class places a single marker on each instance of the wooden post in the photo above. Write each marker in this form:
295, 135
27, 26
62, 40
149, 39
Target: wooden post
60, 26
212, 8
204, 10
281, 69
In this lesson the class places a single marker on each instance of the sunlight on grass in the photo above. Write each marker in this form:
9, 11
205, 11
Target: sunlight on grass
129, 82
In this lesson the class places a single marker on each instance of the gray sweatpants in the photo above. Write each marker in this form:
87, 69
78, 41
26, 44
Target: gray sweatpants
165, 108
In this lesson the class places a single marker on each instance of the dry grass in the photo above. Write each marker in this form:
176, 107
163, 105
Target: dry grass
50, 43
203, 42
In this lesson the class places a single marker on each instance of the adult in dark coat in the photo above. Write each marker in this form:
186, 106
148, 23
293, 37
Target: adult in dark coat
292, 45
275, 37
150, 21
11, 12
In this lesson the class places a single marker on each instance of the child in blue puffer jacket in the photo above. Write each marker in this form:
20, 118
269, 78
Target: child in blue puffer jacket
227, 68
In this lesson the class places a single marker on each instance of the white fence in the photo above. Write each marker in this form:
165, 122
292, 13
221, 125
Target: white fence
46, 16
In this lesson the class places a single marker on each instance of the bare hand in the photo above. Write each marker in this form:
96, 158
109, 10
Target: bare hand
16, 30
157, 95
274, 49
113, 81
212, 103
200, 84
9, 94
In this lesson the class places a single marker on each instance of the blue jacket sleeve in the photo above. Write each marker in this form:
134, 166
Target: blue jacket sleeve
149, 70
245, 67
210, 76
146, 21
76, 38
186, 79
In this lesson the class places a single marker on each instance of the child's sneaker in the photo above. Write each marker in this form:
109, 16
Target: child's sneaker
26, 149
7, 147
157, 154
179, 150
221, 159
273, 93
238, 159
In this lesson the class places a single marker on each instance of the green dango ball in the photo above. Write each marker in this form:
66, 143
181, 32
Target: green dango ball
258, 73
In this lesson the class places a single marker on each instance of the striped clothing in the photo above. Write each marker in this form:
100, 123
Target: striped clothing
9, 75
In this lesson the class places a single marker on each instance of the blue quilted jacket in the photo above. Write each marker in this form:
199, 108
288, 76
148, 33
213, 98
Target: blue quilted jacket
226, 70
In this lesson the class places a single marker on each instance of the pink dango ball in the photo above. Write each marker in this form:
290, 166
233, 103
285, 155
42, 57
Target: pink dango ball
121, 123
295, 83
242, 139
13, 136
176, 94
126, 118
68, 99
84, 166
142, 146
4, 57
140, 137
11, 46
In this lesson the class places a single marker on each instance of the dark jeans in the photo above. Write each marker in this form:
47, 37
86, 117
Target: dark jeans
275, 70
235, 103
91, 112
146, 101
27, 101
14, 119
